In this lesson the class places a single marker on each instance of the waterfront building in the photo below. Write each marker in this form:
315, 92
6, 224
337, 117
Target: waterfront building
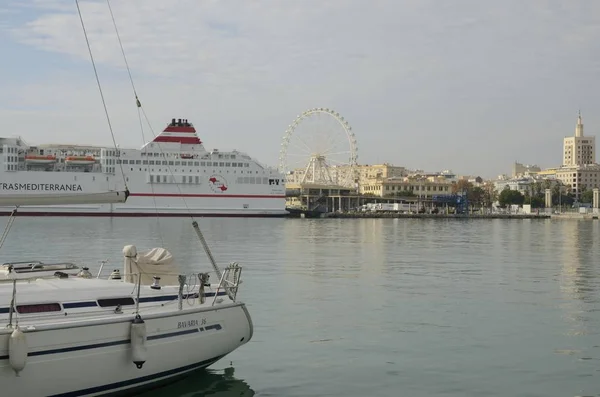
520, 170
579, 169
579, 149
416, 185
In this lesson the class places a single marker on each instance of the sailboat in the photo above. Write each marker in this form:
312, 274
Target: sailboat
70, 333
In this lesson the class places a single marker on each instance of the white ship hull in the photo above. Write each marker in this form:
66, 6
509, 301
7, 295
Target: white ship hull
145, 199
172, 176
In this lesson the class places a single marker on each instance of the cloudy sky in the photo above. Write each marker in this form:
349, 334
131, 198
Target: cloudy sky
467, 85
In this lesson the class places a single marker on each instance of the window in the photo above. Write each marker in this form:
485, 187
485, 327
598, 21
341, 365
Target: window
115, 301
39, 308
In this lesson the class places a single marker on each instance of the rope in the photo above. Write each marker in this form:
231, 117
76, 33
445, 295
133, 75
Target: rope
139, 106
162, 241
11, 220
138, 103
100, 89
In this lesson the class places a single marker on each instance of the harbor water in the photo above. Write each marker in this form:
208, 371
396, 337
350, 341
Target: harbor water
377, 307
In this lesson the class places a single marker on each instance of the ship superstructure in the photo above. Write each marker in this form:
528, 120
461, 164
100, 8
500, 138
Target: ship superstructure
174, 175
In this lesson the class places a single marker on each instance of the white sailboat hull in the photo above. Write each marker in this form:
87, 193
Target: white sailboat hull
178, 342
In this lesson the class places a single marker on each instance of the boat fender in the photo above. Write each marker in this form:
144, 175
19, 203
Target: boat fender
138, 341
17, 350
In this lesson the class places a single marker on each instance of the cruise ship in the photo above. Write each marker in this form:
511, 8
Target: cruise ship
174, 175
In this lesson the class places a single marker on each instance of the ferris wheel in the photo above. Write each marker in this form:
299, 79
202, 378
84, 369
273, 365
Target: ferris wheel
319, 147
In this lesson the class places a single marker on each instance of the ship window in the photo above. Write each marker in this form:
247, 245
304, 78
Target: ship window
151, 162
221, 164
234, 164
138, 161
39, 308
115, 301
208, 163
227, 164
203, 163
145, 162
151, 178
197, 179
196, 163
177, 163
233, 156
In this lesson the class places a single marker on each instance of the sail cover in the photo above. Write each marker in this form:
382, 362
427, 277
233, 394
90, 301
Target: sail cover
154, 262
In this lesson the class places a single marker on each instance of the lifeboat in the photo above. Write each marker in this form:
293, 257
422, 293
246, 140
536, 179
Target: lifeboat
80, 160
186, 156
37, 159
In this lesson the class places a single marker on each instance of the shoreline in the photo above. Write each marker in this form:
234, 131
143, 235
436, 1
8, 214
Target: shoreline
384, 215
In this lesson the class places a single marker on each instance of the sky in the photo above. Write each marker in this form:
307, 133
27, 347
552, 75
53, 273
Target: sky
470, 86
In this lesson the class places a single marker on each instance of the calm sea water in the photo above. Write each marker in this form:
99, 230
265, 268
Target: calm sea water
379, 307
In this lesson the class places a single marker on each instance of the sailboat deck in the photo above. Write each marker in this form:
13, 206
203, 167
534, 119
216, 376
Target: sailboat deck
45, 298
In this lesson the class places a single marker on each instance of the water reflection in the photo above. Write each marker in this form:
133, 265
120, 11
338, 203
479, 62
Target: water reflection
216, 383
578, 278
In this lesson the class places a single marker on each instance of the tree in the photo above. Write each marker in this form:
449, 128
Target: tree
462, 186
476, 196
490, 194
587, 196
509, 197
538, 202
538, 189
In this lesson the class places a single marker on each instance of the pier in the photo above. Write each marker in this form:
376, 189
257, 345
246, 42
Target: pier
388, 215
311, 199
